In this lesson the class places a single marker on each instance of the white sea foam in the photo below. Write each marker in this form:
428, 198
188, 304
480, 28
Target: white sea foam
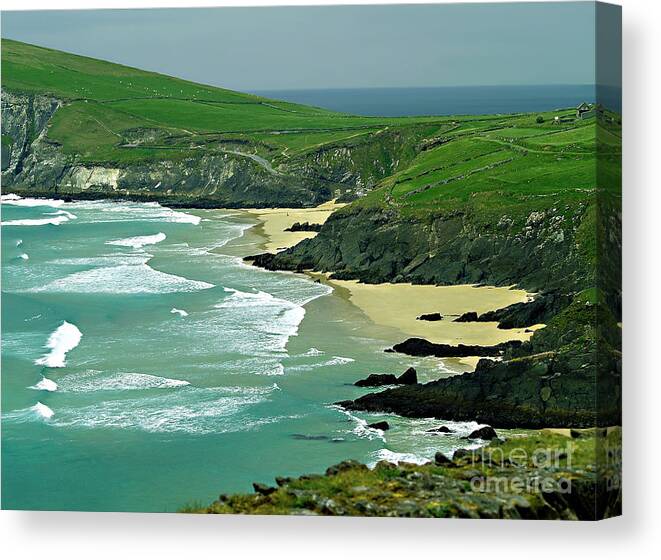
273, 320
42, 411
312, 352
45, 385
38, 412
334, 361
123, 279
93, 380
65, 338
55, 221
106, 212
15, 200
112, 259
61, 212
191, 410
19, 242
276, 369
179, 312
361, 429
138, 242
24, 256
395, 457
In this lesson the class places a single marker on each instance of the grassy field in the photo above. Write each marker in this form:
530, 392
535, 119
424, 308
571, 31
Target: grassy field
106, 103
120, 115
493, 167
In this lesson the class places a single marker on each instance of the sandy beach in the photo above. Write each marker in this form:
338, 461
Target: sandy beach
274, 222
398, 305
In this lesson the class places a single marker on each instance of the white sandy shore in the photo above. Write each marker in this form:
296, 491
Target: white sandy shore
274, 222
398, 305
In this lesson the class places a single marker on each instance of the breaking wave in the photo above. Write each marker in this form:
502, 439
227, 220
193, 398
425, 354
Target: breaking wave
64, 339
395, 457
190, 410
37, 412
123, 279
45, 385
138, 242
93, 380
16, 200
55, 221
334, 361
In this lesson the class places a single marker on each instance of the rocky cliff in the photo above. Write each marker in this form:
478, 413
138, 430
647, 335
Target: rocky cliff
543, 251
225, 174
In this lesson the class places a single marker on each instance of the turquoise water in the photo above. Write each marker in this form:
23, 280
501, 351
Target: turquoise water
146, 367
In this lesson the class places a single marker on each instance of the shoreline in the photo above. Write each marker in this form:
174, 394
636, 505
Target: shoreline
397, 306
274, 221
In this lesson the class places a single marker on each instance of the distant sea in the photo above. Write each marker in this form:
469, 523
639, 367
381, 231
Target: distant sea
470, 100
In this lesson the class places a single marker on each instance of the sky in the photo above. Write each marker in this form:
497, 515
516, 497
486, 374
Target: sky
334, 46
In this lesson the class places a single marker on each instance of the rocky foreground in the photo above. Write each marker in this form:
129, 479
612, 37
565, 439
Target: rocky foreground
539, 476
568, 375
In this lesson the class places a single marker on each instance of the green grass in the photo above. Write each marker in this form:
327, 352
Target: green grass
112, 100
487, 164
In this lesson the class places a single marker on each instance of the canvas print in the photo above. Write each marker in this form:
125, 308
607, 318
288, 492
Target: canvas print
339, 260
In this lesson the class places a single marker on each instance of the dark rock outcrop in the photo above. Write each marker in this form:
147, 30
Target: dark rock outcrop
441, 459
468, 317
409, 377
383, 425
263, 489
486, 433
422, 347
377, 244
377, 380
440, 430
551, 389
538, 311
305, 226
430, 317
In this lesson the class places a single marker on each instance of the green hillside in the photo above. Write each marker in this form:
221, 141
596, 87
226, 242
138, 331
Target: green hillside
107, 103
115, 116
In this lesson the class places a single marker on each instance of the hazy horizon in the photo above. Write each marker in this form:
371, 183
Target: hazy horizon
333, 47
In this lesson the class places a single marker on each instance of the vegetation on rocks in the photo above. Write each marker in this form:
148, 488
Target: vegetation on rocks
536, 476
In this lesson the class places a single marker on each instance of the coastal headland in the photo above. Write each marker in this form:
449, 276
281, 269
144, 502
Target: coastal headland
470, 230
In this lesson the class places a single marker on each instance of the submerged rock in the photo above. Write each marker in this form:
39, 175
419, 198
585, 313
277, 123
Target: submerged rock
310, 437
440, 430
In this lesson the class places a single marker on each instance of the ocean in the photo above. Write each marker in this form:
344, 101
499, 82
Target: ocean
145, 366
461, 100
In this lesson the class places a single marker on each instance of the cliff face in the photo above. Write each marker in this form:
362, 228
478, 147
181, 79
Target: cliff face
381, 245
230, 175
